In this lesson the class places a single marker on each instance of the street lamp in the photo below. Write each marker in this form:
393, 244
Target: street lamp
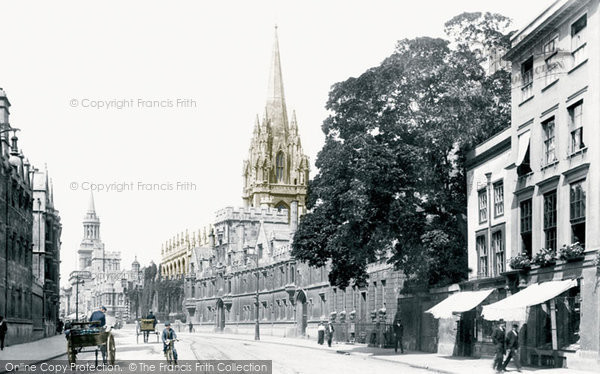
257, 301
77, 275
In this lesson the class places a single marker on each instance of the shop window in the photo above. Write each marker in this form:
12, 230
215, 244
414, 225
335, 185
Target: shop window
568, 317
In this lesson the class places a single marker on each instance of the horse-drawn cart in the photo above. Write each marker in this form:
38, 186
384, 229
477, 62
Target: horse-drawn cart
89, 334
147, 327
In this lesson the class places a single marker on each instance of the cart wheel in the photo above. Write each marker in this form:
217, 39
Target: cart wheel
72, 356
111, 349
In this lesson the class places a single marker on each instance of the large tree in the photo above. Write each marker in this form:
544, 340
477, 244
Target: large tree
391, 172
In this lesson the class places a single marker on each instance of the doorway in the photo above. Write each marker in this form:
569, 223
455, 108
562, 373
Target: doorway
301, 313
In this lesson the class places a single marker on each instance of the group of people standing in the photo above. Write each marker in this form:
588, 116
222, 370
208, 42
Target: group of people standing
506, 342
327, 332
323, 332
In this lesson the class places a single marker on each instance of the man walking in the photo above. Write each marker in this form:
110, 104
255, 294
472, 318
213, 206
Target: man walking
398, 334
330, 331
3, 330
498, 339
512, 345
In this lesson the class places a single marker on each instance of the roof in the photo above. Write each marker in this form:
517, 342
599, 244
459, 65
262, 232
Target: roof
545, 22
497, 144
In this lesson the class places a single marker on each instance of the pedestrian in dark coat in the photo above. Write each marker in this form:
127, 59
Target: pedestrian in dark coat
398, 334
498, 339
512, 345
99, 316
330, 331
3, 330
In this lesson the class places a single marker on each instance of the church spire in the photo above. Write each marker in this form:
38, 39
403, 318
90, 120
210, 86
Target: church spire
276, 110
275, 158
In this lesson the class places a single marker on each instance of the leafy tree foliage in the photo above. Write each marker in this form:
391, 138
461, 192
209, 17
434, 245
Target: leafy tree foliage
479, 32
391, 181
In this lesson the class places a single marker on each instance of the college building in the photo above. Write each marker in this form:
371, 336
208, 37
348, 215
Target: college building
240, 271
30, 232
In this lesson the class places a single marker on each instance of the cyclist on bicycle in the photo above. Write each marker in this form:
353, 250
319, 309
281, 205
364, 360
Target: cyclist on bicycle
168, 335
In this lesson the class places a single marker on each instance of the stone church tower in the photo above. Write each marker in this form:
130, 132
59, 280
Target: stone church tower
91, 243
276, 171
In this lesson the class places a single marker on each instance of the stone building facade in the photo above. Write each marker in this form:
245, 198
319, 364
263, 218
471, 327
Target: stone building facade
27, 301
543, 173
176, 253
46, 251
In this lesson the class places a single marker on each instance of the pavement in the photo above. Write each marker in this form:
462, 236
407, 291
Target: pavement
429, 361
55, 347
39, 350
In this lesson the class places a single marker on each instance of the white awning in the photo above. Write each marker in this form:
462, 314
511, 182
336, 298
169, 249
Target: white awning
458, 302
523, 147
514, 307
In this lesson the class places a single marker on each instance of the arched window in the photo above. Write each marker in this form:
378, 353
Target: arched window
280, 206
279, 166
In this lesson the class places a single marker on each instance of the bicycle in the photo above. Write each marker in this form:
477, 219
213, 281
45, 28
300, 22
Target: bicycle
169, 354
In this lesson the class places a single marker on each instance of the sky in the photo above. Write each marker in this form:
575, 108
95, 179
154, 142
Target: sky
181, 84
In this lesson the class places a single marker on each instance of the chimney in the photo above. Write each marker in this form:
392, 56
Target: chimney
293, 216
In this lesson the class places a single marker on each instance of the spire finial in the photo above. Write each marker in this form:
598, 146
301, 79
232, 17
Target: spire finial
91, 205
276, 110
